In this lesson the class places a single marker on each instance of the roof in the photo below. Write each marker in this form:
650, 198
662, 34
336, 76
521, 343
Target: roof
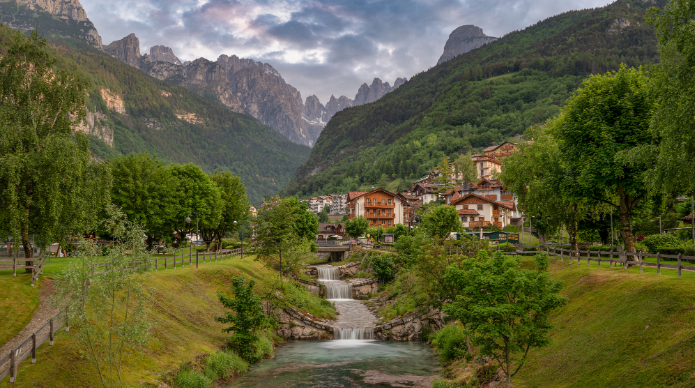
355, 194
466, 212
455, 197
508, 204
494, 147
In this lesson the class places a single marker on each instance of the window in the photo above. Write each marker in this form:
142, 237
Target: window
464, 219
481, 219
389, 212
389, 222
383, 222
383, 200
389, 201
465, 206
480, 206
369, 201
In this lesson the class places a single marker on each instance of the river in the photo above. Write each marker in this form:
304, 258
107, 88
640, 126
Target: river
344, 363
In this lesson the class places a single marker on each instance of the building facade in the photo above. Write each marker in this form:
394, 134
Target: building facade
476, 211
338, 204
380, 207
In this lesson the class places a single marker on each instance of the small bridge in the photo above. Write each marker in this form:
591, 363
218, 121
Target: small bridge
337, 249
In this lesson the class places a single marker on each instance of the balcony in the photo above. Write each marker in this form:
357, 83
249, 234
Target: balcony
384, 216
379, 205
507, 197
478, 224
495, 213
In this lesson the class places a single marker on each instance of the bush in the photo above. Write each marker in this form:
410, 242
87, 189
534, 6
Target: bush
450, 342
667, 244
383, 266
605, 248
264, 347
189, 378
222, 365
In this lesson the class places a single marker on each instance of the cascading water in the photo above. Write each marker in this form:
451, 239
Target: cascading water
338, 290
327, 273
363, 333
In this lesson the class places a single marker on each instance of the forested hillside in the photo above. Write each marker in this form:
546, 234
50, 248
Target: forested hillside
480, 98
133, 112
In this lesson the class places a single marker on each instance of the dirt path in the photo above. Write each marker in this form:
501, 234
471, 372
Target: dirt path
45, 312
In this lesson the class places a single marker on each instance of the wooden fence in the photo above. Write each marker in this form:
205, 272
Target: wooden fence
622, 258
10, 362
20, 262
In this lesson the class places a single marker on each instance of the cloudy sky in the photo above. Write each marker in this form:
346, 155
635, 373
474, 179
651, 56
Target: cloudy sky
321, 47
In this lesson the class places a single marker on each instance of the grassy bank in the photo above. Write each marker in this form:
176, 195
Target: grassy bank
18, 301
183, 304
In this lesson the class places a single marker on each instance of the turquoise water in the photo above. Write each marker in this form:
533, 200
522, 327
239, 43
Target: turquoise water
344, 363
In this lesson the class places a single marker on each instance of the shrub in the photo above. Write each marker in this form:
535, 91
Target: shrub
663, 243
264, 347
383, 266
605, 248
450, 342
189, 378
222, 365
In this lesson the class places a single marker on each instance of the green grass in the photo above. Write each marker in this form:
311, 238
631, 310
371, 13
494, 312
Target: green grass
18, 301
620, 328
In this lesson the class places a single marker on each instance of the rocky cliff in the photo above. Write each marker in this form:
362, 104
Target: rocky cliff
163, 54
462, 40
375, 91
27, 15
126, 50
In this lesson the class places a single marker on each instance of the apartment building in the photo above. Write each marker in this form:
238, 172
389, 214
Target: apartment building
338, 204
380, 207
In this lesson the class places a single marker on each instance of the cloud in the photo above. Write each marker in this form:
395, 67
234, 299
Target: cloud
321, 47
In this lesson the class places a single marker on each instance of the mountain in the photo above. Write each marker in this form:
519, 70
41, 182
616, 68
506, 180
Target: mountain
463, 40
475, 100
130, 111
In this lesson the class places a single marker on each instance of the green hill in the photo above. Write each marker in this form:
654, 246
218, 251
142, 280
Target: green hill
477, 99
133, 112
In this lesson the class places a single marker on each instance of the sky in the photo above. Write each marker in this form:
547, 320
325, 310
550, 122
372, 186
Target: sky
320, 47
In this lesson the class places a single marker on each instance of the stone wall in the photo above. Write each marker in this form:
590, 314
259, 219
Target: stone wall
410, 327
304, 326
349, 269
361, 288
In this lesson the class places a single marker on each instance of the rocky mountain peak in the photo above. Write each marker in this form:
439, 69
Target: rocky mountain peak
126, 50
163, 54
462, 40
375, 91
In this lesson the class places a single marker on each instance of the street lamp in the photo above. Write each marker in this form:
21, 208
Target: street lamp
188, 221
242, 239
659, 224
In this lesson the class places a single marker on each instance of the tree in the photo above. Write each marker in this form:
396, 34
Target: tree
465, 168
142, 189
47, 186
375, 232
103, 291
194, 192
356, 227
674, 92
602, 131
442, 221
246, 319
323, 215
504, 308
445, 172
235, 206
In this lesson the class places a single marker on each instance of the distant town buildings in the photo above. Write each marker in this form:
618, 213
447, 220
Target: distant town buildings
253, 212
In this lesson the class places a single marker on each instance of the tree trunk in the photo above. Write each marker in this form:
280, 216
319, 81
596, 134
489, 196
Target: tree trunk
604, 234
541, 239
506, 361
624, 210
26, 243
572, 231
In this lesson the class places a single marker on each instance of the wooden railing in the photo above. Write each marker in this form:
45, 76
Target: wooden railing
478, 224
20, 263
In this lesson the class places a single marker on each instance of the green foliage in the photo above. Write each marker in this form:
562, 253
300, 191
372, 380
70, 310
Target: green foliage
504, 309
450, 342
664, 243
291, 294
224, 364
264, 347
356, 227
247, 319
398, 231
187, 377
383, 267
409, 249
234, 206
376, 232
465, 168
48, 187
193, 192
109, 315
442, 221
477, 99
323, 215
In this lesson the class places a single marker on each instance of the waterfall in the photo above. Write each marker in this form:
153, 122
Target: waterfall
338, 290
362, 333
328, 273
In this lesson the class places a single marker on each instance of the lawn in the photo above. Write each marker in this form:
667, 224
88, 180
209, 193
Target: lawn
18, 301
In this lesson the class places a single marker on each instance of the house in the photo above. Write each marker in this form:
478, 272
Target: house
425, 192
253, 212
476, 211
327, 230
487, 166
316, 204
338, 204
380, 207
501, 150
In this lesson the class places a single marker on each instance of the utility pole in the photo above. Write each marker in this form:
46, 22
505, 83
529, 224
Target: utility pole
611, 231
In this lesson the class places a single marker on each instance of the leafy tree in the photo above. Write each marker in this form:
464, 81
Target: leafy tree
345, 218
398, 231
376, 232
383, 267
47, 186
465, 168
235, 206
602, 132
445, 172
323, 215
356, 227
442, 221
247, 318
504, 309
109, 313
674, 91
142, 189
195, 195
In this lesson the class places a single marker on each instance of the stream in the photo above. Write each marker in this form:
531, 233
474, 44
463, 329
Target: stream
351, 359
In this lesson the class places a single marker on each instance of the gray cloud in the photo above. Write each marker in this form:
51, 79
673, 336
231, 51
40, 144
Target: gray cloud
321, 47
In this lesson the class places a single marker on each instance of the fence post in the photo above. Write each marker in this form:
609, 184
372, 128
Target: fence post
658, 263
33, 348
13, 366
196, 258
639, 257
50, 333
15, 263
175, 259
165, 262
588, 257
680, 267
611, 258
599, 259
67, 320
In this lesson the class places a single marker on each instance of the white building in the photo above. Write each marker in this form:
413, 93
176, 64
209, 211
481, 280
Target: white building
476, 211
339, 204
316, 204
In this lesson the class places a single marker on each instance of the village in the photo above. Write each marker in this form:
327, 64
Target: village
485, 206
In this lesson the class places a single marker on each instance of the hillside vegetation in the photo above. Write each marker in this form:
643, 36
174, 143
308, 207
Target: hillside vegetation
480, 98
207, 133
